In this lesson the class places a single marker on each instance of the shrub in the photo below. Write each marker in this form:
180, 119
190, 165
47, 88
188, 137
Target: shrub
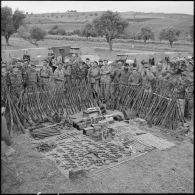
56, 30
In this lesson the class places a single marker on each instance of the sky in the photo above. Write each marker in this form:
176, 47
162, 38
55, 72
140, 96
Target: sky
185, 7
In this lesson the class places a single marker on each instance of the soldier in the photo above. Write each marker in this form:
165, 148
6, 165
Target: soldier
115, 76
87, 62
135, 78
4, 82
45, 74
67, 72
59, 76
125, 74
105, 77
24, 73
16, 82
32, 77
94, 76
159, 71
83, 71
100, 63
147, 77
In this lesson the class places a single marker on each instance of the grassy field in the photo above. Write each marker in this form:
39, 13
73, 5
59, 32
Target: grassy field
76, 20
98, 48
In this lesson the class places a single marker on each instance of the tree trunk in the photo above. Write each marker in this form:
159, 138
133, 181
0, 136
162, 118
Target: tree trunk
7, 40
110, 45
171, 43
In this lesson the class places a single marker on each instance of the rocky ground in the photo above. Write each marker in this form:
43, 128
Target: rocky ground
165, 171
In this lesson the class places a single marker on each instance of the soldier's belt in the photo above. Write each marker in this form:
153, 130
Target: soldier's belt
46, 77
59, 80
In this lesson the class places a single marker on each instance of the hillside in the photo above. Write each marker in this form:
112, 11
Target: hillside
76, 20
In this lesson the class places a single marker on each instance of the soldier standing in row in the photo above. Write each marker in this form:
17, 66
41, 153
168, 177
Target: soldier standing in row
87, 62
94, 76
83, 71
67, 72
45, 74
100, 63
135, 78
147, 77
105, 77
124, 74
24, 73
4, 82
59, 76
16, 82
32, 77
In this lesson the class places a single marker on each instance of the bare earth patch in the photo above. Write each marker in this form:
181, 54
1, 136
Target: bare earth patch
157, 171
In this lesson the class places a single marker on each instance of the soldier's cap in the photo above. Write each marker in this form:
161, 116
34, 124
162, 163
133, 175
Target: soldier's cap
45, 60
33, 65
105, 60
96, 62
26, 60
121, 60
100, 60
87, 59
126, 64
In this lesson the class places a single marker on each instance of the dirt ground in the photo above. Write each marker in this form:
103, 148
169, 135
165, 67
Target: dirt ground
168, 171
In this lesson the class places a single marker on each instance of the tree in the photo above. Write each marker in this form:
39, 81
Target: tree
192, 33
89, 31
170, 34
10, 22
24, 33
37, 34
32, 35
146, 34
110, 25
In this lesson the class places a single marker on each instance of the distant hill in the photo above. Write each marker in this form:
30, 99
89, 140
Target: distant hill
76, 20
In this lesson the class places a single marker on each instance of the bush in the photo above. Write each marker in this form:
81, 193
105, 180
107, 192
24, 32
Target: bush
37, 33
77, 32
56, 30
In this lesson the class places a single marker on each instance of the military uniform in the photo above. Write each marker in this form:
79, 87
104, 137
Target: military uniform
147, 79
124, 77
59, 77
135, 78
83, 71
45, 75
32, 78
94, 77
16, 83
5, 84
105, 79
67, 73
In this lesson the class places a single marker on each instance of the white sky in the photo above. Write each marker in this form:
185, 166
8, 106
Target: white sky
186, 7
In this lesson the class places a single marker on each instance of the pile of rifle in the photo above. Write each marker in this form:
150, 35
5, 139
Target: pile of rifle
38, 106
45, 132
15, 115
156, 108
